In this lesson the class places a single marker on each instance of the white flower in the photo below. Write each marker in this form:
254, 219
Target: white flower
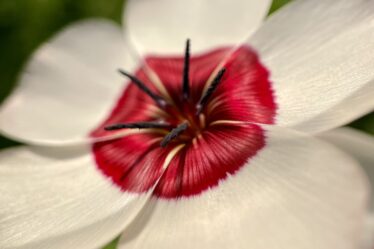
238, 166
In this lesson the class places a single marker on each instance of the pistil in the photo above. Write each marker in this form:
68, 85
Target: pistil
139, 125
206, 96
186, 71
173, 134
158, 99
189, 118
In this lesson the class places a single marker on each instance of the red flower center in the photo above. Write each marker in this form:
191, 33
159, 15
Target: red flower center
197, 123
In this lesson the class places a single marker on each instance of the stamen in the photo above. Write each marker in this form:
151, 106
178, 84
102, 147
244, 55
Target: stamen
228, 122
173, 134
202, 120
158, 99
204, 99
139, 125
171, 155
186, 71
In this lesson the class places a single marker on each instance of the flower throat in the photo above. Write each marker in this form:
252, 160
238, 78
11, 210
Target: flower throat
189, 122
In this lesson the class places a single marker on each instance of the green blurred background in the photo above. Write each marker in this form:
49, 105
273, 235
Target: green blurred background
26, 24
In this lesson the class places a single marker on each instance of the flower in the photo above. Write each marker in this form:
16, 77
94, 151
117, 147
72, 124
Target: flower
225, 154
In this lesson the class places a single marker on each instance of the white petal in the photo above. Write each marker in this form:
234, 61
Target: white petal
162, 26
51, 201
69, 85
360, 146
320, 57
297, 193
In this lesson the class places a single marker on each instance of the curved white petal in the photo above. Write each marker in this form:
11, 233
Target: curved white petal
297, 193
162, 26
52, 200
360, 146
69, 86
320, 57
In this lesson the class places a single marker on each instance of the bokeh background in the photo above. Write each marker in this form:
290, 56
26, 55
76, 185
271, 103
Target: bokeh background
26, 24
